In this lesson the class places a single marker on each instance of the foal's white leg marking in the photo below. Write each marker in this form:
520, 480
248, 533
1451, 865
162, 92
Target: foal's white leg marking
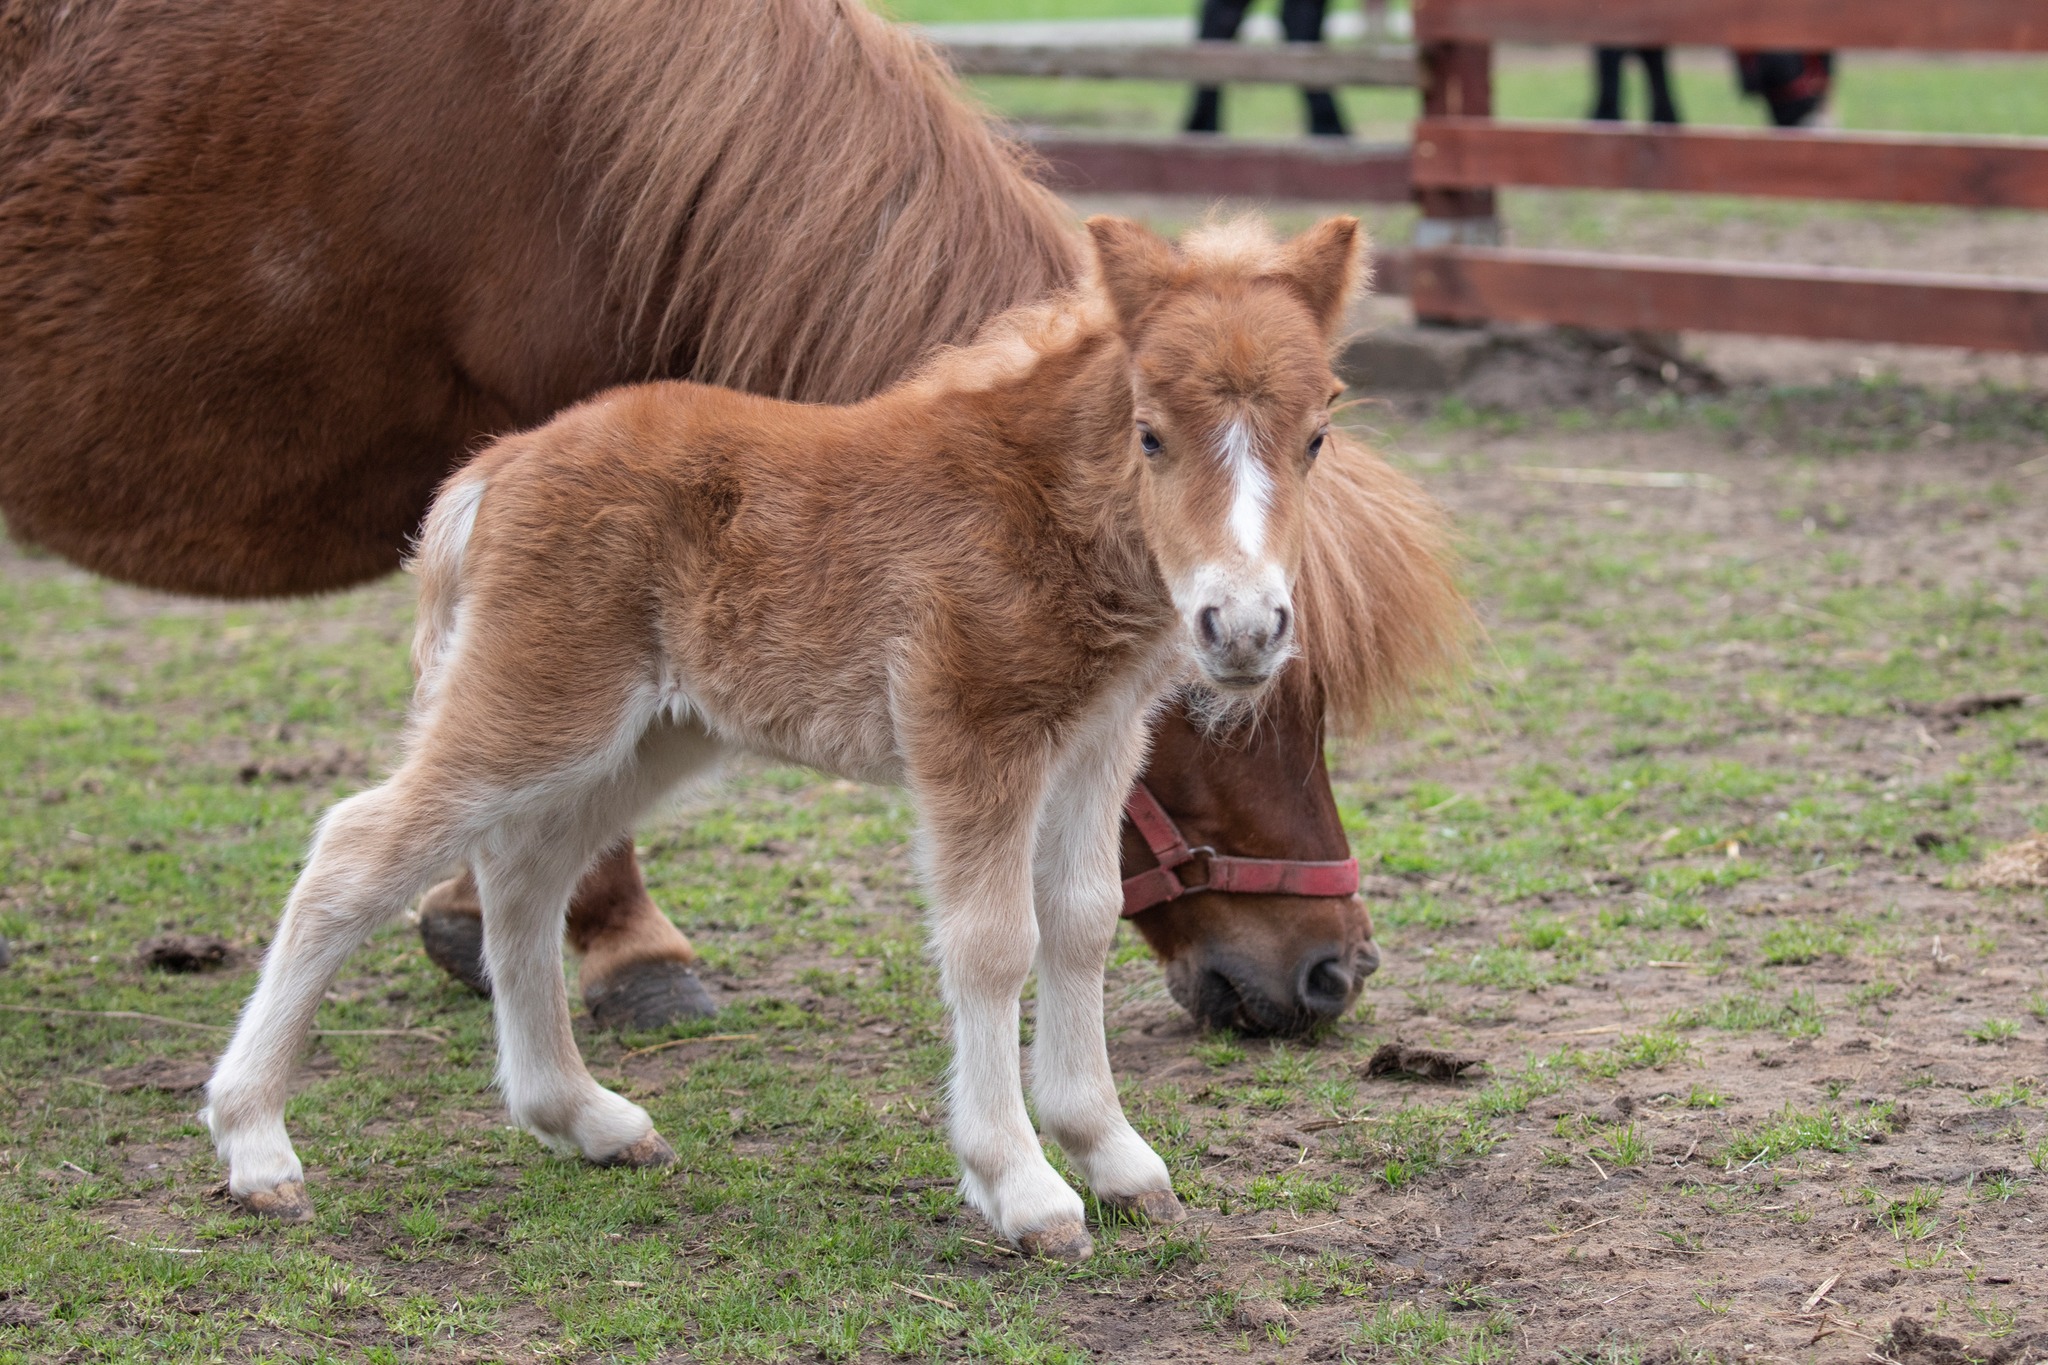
371, 855
983, 935
1251, 488
1079, 897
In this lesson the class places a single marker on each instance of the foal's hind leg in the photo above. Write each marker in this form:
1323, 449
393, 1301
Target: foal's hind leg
370, 857
525, 872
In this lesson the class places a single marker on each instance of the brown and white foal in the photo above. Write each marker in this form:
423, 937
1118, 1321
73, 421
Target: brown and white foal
977, 584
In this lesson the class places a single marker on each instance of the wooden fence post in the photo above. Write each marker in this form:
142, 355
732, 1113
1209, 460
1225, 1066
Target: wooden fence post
1457, 81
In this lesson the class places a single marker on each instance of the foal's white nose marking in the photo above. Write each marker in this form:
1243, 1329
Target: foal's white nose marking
1252, 488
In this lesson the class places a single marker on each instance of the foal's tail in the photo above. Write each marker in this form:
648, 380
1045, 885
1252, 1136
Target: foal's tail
436, 560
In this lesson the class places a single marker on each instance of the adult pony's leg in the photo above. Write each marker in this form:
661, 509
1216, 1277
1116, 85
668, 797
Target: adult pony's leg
978, 871
1079, 897
637, 966
370, 856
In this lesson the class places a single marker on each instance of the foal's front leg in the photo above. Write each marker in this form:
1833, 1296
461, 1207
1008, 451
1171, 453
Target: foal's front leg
979, 874
1079, 899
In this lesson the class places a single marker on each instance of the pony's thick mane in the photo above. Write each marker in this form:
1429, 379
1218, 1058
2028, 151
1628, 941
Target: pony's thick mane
795, 197
1381, 613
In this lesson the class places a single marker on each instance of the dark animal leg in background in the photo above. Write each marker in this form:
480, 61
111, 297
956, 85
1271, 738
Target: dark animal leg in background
1663, 109
1607, 64
1607, 83
1220, 22
636, 965
1302, 22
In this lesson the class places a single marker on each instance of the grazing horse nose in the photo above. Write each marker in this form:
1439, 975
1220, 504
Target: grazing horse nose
1325, 984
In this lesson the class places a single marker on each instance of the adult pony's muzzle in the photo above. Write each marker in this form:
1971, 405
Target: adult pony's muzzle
1274, 966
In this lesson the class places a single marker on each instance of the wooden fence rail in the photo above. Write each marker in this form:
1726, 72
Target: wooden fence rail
1810, 25
1653, 294
1203, 63
2009, 173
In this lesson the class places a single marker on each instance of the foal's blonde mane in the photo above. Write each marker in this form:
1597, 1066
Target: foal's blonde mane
795, 197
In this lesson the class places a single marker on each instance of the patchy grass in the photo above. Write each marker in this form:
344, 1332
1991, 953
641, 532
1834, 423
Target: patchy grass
1674, 863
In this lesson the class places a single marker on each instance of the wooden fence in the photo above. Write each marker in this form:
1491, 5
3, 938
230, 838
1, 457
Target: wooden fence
1460, 153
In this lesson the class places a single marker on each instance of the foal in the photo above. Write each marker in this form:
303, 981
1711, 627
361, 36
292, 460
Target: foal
977, 584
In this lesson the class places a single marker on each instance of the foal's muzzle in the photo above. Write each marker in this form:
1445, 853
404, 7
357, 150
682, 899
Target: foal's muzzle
1242, 642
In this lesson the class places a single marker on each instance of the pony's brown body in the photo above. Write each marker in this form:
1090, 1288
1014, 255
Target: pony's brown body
1012, 557
269, 270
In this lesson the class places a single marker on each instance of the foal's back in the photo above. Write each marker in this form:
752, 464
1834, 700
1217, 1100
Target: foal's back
781, 570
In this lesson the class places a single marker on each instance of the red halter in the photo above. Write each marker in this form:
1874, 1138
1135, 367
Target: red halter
1245, 876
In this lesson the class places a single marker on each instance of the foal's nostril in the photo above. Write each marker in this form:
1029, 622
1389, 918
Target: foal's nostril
1325, 987
1281, 620
1211, 623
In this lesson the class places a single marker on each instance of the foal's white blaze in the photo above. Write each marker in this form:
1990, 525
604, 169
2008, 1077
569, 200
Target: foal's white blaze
1252, 488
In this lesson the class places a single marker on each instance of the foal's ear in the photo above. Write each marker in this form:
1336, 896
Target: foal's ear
1134, 263
1323, 266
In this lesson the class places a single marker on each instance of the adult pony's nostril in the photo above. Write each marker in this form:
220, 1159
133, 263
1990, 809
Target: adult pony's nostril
1325, 987
1367, 960
1211, 623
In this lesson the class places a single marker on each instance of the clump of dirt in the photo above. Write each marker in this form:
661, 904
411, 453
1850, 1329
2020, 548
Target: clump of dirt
160, 1074
1952, 713
20, 1312
2019, 866
185, 953
313, 767
1912, 1344
1431, 1064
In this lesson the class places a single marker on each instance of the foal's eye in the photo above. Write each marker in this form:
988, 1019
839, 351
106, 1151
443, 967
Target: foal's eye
1147, 440
1315, 444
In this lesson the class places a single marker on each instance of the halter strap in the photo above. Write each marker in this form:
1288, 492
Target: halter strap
1224, 872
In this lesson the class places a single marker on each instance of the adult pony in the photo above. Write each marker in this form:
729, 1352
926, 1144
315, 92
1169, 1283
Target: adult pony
271, 269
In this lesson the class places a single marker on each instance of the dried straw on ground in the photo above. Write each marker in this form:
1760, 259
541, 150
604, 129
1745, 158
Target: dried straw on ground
2024, 864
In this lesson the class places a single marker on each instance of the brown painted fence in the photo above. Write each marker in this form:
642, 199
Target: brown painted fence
1460, 153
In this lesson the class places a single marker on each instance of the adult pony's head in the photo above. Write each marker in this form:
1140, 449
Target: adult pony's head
1229, 336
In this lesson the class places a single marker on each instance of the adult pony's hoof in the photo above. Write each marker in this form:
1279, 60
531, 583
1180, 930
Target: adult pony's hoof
1153, 1206
1060, 1242
652, 1150
286, 1202
642, 996
452, 931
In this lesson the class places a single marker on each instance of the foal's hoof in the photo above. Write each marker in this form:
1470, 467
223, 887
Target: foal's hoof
1153, 1206
652, 1150
643, 996
454, 939
287, 1203
1060, 1242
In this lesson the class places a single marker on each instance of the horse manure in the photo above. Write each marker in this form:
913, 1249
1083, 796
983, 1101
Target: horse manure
185, 952
1398, 1059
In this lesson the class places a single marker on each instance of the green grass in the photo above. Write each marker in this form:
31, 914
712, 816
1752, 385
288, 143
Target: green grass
1792, 1131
